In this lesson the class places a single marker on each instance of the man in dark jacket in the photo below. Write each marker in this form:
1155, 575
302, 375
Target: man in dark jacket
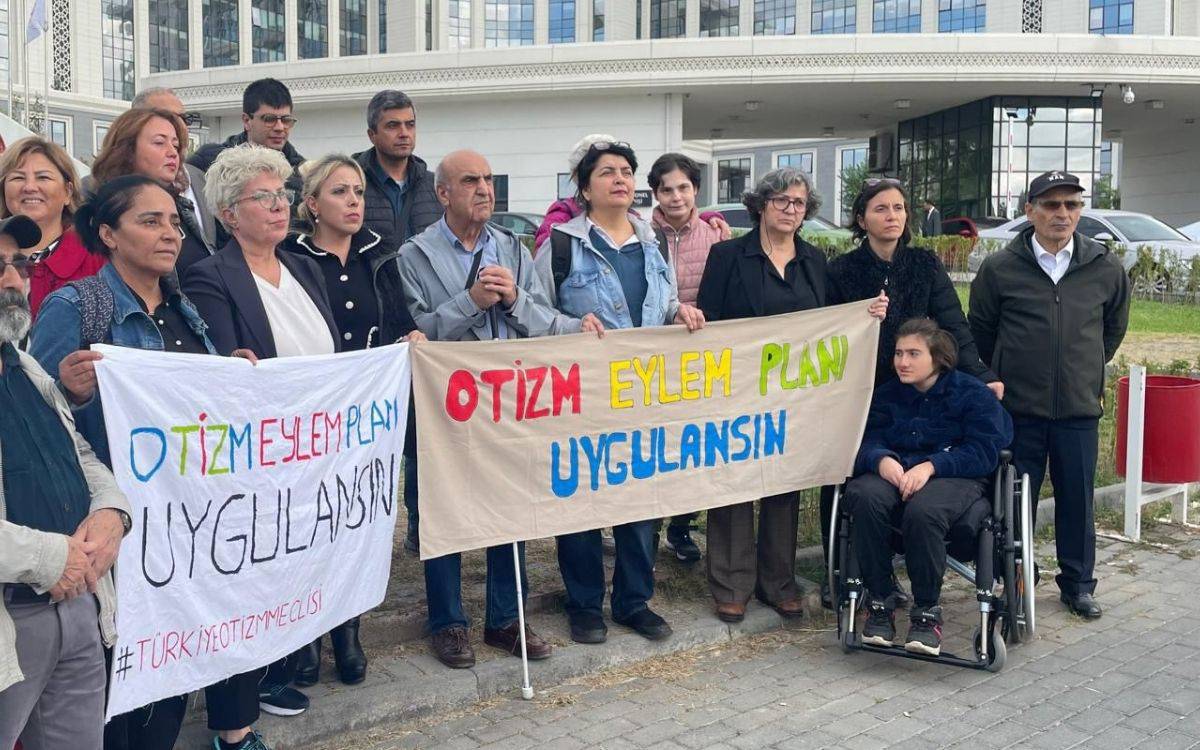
266, 121
1047, 313
931, 225
401, 202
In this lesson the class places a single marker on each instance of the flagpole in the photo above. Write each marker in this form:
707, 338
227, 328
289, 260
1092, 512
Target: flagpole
25, 63
46, 78
9, 72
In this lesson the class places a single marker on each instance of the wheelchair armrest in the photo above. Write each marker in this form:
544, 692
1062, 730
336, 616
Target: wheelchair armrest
1006, 457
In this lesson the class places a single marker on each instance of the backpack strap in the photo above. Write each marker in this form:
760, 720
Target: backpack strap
96, 307
560, 257
663, 248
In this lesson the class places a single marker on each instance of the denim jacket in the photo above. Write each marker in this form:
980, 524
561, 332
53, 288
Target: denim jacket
57, 333
593, 287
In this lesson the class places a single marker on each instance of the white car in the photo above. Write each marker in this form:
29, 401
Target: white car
1128, 228
1192, 231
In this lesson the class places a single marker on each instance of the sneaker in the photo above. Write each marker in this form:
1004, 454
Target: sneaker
925, 632
880, 627
281, 700
252, 741
679, 541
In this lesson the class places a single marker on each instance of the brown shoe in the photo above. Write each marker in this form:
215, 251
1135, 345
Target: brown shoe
452, 647
509, 639
790, 609
731, 611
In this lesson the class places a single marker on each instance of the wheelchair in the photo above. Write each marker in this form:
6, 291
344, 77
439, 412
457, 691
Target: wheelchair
990, 545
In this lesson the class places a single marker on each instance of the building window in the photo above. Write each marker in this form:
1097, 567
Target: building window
312, 26
1031, 16
428, 25
60, 132
500, 190
597, 20
668, 19
1106, 149
733, 175
116, 34
897, 16
638, 10
60, 35
1110, 16
167, 29
774, 17
833, 17
383, 26
268, 32
220, 18
353, 27
962, 16
562, 21
802, 160
99, 131
850, 159
719, 17
460, 24
566, 186
4, 54
507, 23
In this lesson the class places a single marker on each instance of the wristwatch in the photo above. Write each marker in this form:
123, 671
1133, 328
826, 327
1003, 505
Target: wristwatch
126, 521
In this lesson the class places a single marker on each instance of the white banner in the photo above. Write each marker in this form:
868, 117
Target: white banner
264, 500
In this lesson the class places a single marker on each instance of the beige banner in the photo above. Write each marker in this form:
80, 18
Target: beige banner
533, 438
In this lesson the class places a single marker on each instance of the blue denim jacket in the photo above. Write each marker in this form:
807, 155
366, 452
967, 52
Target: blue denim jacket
593, 287
56, 333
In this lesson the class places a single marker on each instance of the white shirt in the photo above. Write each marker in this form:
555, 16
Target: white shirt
296, 323
1054, 264
190, 195
611, 242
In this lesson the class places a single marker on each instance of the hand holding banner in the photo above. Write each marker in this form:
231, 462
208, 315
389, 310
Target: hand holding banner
538, 437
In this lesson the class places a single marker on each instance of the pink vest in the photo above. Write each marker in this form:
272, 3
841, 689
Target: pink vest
689, 251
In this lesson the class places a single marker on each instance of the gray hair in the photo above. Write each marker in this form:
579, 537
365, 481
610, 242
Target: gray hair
143, 96
315, 172
778, 181
236, 166
383, 101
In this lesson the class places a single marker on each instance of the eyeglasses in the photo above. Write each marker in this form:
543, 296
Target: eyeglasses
20, 263
783, 203
191, 119
873, 181
269, 200
287, 120
1054, 205
609, 145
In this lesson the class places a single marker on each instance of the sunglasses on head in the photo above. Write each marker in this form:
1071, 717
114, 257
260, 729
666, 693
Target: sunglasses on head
871, 182
191, 119
609, 145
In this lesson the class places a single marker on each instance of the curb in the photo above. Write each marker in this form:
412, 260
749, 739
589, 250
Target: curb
410, 687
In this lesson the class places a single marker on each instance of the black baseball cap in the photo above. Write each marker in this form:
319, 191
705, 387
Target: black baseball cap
22, 229
1050, 180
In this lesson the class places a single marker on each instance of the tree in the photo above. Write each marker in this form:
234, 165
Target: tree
1105, 194
852, 180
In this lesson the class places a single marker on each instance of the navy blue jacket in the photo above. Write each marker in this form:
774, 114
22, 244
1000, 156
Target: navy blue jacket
957, 425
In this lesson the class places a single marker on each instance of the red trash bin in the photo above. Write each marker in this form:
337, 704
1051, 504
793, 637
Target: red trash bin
1171, 442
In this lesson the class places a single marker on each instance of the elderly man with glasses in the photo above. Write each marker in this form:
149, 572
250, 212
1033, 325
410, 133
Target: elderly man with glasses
1047, 313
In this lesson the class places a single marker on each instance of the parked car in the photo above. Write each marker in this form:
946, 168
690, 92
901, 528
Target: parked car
518, 223
1128, 229
814, 226
1191, 231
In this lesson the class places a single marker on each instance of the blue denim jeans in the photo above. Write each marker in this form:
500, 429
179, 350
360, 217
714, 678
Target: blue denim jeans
581, 559
443, 589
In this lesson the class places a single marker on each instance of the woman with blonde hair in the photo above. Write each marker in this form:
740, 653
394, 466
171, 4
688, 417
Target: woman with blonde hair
366, 295
40, 182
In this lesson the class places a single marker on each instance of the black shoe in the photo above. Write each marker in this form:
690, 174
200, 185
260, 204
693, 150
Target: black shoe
308, 665
1083, 605
412, 542
587, 627
900, 598
925, 632
281, 700
348, 653
679, 541
880, 627
826, 594
647, 624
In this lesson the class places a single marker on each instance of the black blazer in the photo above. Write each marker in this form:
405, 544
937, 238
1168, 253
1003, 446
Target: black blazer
732, 284
223, 290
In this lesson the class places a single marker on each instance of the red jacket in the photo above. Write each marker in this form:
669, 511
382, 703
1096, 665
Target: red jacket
69, 261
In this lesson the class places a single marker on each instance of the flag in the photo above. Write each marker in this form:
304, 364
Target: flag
38, 22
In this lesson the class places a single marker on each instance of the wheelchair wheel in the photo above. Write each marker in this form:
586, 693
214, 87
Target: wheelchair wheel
1013, 584
1026, 618
997, 651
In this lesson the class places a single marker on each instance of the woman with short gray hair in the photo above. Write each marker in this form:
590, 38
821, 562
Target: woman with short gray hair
768, 271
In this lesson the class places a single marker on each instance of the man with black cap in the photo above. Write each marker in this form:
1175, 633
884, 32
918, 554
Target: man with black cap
1047, 313
62, 519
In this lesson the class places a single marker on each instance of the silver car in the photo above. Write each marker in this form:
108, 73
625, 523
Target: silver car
1128, 229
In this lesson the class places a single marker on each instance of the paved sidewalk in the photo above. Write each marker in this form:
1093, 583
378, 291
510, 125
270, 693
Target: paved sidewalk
1131, 679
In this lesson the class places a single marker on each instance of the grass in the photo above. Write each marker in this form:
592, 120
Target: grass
1145, 316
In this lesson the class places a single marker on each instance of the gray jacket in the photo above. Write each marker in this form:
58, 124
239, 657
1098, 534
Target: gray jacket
435, 285
38, 558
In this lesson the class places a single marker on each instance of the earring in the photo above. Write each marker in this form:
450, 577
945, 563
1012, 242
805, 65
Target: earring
316, 219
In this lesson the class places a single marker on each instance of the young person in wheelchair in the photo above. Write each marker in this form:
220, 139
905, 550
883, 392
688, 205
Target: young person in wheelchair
932, 440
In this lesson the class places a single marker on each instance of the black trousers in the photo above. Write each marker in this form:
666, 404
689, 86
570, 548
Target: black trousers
1070, 445
153, 727
233, 703
923, 522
